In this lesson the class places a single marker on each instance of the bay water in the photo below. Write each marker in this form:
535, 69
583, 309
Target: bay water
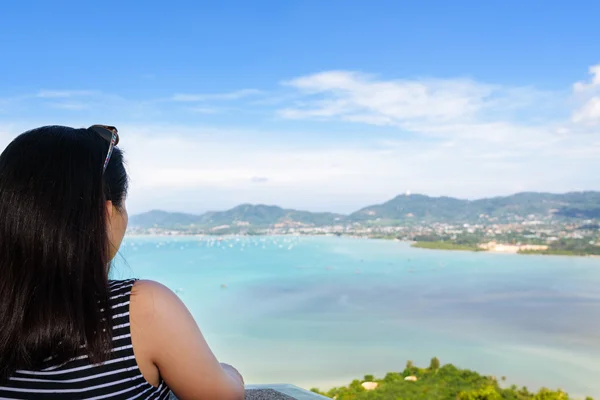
321, 311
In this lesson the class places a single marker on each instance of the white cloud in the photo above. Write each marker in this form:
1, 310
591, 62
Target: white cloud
588, 95
53, 94
74, 106
259, 179
446, 108
196, 173
203, 110
589, 112
346, 94
236, 95
594, 82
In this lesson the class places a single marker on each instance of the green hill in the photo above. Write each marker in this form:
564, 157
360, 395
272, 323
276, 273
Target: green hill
403, 209
163, 219
253, 215
263, 215
439, 383
419, 208
415, 207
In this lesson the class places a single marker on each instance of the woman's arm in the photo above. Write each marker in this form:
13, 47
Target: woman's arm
168, 336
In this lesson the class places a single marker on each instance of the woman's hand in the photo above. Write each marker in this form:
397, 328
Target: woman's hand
234, 373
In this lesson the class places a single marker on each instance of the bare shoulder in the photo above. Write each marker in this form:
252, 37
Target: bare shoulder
154, 311
146, 309
145, 287
152, 301
170, 341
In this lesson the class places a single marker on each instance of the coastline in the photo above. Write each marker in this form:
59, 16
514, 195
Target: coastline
519, 252
526, 250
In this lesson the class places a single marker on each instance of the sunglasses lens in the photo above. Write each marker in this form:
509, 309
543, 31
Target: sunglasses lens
111, 135
106, 132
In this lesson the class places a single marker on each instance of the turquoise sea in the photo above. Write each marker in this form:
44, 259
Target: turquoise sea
321, 311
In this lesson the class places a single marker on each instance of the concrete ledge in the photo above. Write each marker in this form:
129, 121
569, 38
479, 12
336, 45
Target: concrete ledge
265, 394
288, 391
282, 391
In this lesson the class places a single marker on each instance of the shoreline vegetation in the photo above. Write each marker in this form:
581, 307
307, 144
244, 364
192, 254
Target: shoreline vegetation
560, 248
441, 245
558, 252
438, 382
513, 244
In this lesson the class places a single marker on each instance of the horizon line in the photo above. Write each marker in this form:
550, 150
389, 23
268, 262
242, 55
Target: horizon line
407, 194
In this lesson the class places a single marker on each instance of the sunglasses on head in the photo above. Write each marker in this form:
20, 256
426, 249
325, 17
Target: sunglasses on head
111, 135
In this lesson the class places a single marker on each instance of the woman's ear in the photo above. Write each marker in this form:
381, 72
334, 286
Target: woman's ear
109, 209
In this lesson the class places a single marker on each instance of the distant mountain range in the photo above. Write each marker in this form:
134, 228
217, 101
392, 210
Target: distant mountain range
402, 209
243, 215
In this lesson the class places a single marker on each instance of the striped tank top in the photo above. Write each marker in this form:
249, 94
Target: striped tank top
117, 378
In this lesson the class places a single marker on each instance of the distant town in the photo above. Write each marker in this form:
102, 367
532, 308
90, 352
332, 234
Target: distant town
555, 225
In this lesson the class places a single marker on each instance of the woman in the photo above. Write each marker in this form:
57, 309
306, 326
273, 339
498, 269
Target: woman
66, 330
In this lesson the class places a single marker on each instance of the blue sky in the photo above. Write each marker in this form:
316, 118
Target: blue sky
319, 105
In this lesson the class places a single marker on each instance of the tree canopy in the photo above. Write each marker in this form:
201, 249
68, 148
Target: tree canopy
445, 382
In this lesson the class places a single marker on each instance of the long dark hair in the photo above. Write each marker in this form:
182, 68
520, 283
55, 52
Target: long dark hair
54, 246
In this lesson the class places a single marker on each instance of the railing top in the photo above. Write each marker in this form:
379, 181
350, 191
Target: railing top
293, 391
